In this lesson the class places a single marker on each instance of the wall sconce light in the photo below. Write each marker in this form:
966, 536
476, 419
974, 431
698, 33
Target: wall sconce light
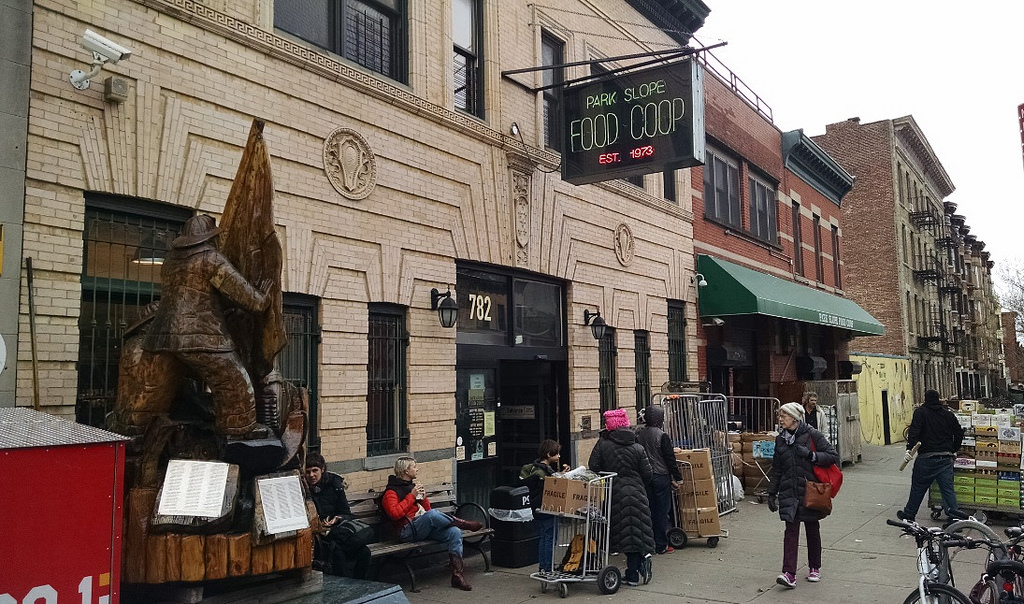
103, 51
446, 306
699, 280
514, 129
597, 324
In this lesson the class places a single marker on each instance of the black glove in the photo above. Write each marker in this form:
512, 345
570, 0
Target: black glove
773, 503
804, 453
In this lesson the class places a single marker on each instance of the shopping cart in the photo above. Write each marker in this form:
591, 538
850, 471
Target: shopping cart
678, 536
579, 552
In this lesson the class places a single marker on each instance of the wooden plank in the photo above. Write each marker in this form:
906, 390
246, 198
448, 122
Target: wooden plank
239, 555
284, 554
140, 506
304, 549
172, 567
216, 552
262, 559
193, 564
156, 559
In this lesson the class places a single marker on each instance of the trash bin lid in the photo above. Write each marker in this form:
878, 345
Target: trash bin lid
21, 427
511, 497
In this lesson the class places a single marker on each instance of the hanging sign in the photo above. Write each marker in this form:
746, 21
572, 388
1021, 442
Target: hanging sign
634, 123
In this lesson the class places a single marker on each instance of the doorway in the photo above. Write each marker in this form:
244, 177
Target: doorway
527, 413
886, 436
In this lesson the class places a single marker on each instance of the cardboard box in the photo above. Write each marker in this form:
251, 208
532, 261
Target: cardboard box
980, 420
968, 442
964, 419
1001, 420
983, 443
702, 522
986, 464
701, 491
563, 495
968, 406
1006, 446
964, 463
1011, 434
700, 463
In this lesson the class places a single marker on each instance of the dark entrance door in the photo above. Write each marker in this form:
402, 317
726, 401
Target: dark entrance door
528, 413
885, 418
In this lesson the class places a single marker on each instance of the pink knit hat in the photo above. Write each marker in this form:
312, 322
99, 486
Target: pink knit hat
615, 419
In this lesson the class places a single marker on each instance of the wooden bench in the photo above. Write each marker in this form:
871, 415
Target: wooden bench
387, 548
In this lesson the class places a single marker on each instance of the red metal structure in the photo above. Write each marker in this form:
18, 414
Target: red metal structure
61, 486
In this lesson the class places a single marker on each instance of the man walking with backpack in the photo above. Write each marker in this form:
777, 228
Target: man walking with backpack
940, 435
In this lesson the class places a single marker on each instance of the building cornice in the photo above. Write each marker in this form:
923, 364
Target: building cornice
680, 19
806, 159
910, 134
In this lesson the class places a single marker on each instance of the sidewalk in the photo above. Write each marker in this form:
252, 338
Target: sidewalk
864, 560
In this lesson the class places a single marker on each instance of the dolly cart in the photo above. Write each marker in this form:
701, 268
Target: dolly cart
677, 535
579, 552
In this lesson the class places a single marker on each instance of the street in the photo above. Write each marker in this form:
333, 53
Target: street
864, 559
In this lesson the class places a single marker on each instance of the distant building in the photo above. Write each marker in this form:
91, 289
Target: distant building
1013, 352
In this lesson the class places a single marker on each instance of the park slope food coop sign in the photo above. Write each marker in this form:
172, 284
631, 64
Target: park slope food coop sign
635, 123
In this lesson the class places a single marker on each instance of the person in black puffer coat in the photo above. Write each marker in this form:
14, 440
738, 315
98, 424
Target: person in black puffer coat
666, 473
792, 466
617, 451
334, 552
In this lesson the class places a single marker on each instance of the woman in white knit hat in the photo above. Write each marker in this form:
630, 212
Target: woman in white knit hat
792, 466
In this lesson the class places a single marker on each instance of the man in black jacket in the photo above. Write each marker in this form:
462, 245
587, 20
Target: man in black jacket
940, 435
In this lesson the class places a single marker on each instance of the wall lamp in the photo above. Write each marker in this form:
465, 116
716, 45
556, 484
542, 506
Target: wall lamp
699, 280
446, 306
597, 324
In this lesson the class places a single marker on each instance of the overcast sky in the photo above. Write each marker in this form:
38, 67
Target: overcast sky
958, 68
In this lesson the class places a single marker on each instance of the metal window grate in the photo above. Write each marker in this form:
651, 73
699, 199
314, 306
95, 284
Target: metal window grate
676, 342
298, 360
368, 38
642, 354
606, 370
386, 424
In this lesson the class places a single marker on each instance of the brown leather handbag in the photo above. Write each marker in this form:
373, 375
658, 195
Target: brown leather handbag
818, 497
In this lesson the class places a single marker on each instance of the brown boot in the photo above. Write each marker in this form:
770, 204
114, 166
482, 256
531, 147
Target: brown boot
466, 525
458, 578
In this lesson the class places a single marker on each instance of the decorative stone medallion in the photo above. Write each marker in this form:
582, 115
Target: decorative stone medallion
624, 244
349, 163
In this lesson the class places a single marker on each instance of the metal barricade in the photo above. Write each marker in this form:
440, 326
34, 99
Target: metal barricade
698, 421
754, 413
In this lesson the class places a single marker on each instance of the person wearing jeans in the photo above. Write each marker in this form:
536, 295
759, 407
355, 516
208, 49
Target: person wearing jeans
940, 435
548, 460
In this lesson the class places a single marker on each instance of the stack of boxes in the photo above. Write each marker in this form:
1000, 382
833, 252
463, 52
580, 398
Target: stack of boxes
988, 466
697, 497
752, 459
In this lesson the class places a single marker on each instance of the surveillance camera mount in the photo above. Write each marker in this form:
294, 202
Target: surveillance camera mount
80, 79
103, 51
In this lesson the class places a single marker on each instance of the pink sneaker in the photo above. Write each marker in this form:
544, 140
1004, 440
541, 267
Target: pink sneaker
786, 579
814, 576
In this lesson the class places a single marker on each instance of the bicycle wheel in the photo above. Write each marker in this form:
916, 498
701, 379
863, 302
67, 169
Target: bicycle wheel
984, 592
936, 593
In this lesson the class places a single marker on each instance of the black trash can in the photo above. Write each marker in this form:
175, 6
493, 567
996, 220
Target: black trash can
514, 543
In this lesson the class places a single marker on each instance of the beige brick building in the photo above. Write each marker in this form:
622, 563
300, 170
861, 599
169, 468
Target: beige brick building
400, 165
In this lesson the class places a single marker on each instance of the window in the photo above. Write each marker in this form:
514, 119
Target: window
124, 245
835, 257
722, 189
798, 244
370, 33
387, 428
676, 341
642, 356
606, 369
818, 260
669, 179
762, 211
466, 35
552, 53
299, 359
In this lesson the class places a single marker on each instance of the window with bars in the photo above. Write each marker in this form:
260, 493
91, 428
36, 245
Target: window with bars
552, 53
124, 243
676, 341
370, 33
762, 211
467, 26
722, 189
299, 360
642, 356
387, 428
606, 370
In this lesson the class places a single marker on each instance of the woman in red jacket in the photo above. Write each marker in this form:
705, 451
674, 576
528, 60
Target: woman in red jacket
408, 509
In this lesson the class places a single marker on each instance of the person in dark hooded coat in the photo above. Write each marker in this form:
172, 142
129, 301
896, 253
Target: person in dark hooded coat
617, 451
665, 470
792, 466
940, 435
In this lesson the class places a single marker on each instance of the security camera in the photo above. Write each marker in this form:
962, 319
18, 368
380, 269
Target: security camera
106, 49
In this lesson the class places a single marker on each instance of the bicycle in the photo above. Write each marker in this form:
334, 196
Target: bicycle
935, 585
1003, 579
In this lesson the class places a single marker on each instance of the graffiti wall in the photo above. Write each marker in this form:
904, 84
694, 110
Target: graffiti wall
884, 387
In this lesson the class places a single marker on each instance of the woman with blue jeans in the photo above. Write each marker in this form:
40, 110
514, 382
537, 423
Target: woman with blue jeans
533, 474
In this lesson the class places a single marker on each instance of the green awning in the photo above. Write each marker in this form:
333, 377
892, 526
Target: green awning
735, 290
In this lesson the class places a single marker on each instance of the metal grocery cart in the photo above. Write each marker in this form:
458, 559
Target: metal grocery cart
678, 536
699, 421
590, 527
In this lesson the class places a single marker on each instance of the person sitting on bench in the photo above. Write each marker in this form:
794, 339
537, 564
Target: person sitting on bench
337, 550
406, 506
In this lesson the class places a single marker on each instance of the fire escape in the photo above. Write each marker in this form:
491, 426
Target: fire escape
936, 270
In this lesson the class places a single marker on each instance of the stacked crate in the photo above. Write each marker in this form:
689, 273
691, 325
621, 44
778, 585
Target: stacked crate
753, 464
987, 469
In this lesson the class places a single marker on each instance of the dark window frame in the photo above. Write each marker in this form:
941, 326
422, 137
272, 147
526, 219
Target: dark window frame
391, 353
798, 243
722, 195
835, 257
676, 341
472, 62
552, 97
606, 361
762, 208
299, 360
642, 367
819, 260
668, 178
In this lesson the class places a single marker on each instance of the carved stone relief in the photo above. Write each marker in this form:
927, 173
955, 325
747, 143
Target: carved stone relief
624, 244
521, 207
350, 164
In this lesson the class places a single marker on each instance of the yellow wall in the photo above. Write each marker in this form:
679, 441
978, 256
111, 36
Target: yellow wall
878, 374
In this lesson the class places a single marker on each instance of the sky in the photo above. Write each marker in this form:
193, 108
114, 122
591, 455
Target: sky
958, 68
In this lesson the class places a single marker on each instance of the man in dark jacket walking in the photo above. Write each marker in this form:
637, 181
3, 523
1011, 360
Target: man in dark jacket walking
940, 435
665, 471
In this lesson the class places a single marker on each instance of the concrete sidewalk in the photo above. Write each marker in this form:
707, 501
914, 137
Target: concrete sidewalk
864, 560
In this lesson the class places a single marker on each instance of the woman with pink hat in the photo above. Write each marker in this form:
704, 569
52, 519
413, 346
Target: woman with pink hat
618, 451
